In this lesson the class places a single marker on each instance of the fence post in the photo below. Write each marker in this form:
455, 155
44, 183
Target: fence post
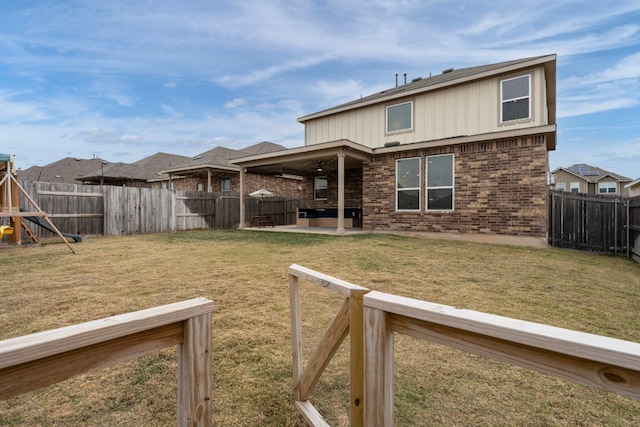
378, 368
194, 373
356, 338
628, 204
615, 227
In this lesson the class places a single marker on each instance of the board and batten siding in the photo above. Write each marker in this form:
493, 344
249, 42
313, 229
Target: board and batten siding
467, 109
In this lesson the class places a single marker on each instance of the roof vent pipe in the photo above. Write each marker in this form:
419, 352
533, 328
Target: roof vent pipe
396, 79
405, 78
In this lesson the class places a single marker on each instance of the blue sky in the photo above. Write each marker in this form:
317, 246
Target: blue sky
122, 80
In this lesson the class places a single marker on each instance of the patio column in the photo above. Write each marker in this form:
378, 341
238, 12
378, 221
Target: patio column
340, 229
242, 218
209, 189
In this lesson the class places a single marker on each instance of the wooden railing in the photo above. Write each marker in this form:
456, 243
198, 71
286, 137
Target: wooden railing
597, 361
347, 321
37, 360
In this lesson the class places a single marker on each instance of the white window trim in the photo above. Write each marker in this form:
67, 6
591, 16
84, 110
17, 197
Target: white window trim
452, 186
561, 186
607, 185
386, 119
502, 101
574, 185
410, 188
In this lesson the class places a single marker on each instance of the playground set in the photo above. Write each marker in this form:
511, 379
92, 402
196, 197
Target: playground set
11, 211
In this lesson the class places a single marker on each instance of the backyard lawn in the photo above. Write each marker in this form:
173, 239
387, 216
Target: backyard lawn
245, 274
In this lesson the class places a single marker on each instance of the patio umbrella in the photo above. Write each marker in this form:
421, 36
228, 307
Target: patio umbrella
261, 194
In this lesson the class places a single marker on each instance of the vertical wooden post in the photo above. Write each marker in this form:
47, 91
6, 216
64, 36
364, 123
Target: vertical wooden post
356, 338
340, 229
194, 373
296, 334
16, 221
378, 368
243, 220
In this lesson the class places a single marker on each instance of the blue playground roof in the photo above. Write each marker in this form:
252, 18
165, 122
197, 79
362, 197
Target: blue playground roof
5, 157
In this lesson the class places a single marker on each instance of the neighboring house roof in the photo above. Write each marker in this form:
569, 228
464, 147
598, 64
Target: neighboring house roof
220, 157
149, 168
450, 77
591, 173
67, 170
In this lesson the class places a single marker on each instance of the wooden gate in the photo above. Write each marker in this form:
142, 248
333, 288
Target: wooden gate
589, 222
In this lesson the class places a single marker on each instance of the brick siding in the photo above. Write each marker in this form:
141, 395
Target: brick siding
499, 188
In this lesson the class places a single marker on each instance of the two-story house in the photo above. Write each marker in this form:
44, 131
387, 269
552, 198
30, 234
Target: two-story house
583, 178
463, 151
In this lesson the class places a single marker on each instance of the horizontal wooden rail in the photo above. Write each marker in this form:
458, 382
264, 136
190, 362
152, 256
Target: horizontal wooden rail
597, 361
69, 193
37, 360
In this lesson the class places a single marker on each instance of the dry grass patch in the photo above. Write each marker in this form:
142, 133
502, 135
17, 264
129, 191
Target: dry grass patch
245, 274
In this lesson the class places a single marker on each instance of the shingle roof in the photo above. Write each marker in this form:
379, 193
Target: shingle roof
220, 156
144, 169
592, 173
261, 148
71, 170
66, 170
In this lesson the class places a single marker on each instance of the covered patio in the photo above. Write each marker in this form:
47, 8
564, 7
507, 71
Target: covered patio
331, 160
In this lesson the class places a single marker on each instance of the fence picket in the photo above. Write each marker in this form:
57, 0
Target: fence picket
113, 210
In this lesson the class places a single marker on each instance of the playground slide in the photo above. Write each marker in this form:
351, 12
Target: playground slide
38, 221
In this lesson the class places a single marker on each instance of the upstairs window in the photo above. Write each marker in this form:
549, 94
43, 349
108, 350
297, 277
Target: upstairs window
516, 99
320, 188
440, 182
225, 183
561, 186
575, 187
400, 117
408, 184
607, 188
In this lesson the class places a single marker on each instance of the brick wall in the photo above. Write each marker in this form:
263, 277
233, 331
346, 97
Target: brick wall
283, 187
352, 190
499, 188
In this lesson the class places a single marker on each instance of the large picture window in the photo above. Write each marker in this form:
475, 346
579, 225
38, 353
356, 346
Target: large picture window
440, 182
516, 99
400, 117
320, 188
408, 184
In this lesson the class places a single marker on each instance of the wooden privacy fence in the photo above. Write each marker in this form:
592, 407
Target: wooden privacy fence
372, 318
37, 360
113, 210
594, 222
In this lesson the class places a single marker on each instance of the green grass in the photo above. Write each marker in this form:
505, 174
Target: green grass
245, 274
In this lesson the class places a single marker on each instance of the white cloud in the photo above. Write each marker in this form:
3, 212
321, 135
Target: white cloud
238, 102
613, 88
130, 139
